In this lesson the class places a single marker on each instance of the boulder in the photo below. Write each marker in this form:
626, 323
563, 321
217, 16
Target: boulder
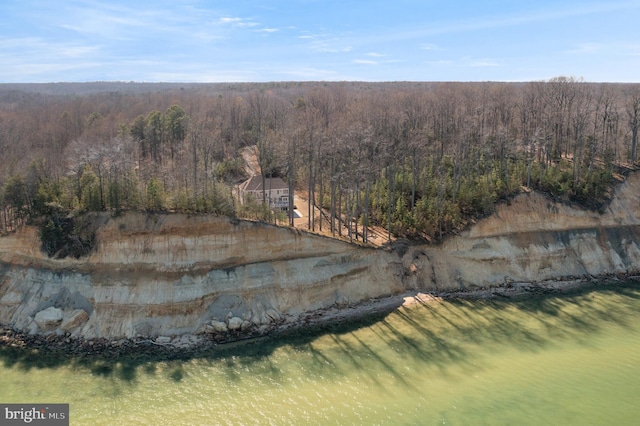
205, 329
245, 325
77, 318
49, 318
163, 339
235, 323
219, 327
188, 341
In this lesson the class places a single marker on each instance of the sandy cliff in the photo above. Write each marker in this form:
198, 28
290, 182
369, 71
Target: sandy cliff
163, 275
532, 238
174, 274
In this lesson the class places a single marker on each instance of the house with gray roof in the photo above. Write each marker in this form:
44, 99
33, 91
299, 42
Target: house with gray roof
276, 191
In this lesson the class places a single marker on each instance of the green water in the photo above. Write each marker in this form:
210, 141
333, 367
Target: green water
573, 359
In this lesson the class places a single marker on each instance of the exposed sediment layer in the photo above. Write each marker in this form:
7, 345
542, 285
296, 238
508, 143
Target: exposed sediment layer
177, 274
170, 275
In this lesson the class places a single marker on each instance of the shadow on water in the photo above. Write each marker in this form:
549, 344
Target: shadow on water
582, 311
434, 333
177, 373
233, 357
432, 348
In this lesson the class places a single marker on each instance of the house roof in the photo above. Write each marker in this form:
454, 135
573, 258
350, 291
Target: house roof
254, 183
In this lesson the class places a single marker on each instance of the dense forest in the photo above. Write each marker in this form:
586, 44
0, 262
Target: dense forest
417, 159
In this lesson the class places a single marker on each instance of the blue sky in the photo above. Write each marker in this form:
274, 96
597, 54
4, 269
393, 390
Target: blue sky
392, 40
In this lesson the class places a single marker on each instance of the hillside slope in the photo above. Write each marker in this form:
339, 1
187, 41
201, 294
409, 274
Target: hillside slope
533, 238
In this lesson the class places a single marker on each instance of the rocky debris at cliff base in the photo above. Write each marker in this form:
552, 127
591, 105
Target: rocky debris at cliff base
77, 318
420, 298
335, 314
188, 345
58, 320
235, 323
186, 341
49, 318
523, 289
219, 327
250, 325
66, 345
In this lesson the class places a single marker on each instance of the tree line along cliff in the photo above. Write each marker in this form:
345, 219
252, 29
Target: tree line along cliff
210, 277
418, 159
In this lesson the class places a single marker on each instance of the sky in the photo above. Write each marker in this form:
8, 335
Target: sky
309, 40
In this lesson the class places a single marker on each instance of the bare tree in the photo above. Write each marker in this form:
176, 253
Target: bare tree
258, 102
633, 114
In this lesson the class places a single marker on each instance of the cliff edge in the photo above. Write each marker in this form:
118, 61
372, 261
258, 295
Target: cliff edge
175, 274
171, 275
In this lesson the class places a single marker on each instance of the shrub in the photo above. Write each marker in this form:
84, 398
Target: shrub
62, 235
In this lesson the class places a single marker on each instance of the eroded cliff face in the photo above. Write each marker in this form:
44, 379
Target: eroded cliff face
174, 274
163, 275
532, 239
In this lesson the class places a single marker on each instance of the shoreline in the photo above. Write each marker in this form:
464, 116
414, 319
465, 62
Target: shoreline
310, 324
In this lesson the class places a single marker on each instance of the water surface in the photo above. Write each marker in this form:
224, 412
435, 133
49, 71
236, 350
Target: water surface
570, 359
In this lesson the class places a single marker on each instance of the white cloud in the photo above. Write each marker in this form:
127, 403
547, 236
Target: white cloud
43, 70
206, 36
327, 43
228, 20
239, 22
551, 13
327, 47
112, 21
37, 49
429, 46
622, 49
84, 39
587, 48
